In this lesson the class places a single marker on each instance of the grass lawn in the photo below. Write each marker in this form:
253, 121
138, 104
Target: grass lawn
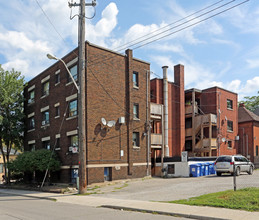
243, 199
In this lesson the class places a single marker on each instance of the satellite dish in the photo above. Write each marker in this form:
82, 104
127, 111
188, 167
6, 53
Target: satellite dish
111, 124
223, 139
103, 121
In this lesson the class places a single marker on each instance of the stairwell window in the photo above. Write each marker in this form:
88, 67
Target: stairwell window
230, 126
136, 111
135, 139
45, 89
229, 104
72, 108
135, 79
45, 118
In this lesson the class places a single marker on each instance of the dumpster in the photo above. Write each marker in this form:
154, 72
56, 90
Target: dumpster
195, 170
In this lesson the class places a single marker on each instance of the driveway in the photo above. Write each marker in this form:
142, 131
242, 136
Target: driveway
159, 189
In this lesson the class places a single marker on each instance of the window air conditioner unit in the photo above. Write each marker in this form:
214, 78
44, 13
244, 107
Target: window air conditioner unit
43, 122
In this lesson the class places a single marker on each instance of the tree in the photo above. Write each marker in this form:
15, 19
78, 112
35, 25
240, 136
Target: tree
33, 161
11, 113
251, 102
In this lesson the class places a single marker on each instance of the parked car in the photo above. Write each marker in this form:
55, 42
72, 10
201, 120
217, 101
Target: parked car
225, 164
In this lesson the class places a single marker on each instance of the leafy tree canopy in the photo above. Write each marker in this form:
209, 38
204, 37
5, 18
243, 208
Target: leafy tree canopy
251, 102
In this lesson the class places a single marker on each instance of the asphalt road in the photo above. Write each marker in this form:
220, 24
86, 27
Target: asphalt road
158, 189
24, 208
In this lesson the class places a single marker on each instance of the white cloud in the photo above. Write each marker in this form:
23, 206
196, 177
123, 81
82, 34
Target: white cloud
253, 63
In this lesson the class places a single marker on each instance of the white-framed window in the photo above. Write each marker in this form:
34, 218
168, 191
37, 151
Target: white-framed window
135, 79
72, 108
135, 111
45, 88
135, 139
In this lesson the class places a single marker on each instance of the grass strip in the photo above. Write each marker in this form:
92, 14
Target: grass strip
243, 199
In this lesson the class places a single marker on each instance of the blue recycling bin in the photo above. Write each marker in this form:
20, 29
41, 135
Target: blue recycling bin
195, 170
206, 169
211, 168
202, 167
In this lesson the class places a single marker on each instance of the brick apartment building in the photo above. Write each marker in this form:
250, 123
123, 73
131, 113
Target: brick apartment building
116, 88
201, 122
248, 131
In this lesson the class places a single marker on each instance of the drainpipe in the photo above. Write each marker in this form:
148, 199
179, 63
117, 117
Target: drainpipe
165, 90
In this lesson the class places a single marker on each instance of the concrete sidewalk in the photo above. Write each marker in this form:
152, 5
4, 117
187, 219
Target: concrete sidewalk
194, 212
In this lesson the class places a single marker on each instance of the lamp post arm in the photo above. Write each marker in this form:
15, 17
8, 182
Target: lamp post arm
70, 75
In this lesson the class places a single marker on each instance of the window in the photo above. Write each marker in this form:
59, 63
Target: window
45, 118
31, 123
46, 145
31, 97
57, 78
229, 144
72, 108
32, 147
57, 111
45, 89
73, 71
57, 144
256, 151
74, 141
135, 139
230, 126
229, 104
135, 111
135, 79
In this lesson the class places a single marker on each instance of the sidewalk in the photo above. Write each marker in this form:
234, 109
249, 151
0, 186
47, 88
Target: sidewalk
194, 212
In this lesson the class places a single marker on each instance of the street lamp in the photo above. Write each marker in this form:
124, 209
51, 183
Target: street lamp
52, 57
81, 122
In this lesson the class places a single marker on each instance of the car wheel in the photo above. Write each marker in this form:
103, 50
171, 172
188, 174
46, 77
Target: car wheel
218, 174
251, 169
237, 171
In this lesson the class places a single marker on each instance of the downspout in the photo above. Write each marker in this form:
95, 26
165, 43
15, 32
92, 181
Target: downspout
165, 90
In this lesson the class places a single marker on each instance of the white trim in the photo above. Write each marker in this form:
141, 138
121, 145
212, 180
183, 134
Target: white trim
31, 115
69, 98
31, 88
57, 135
45, 79
44, 109
45, 138
57, 104
107, 165
57, 72
68, 167
140, 164
72, 62
70, 133
32, 142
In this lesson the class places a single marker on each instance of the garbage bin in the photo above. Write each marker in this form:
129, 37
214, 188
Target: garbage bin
206, 169
211, 168
202, 169
195, 170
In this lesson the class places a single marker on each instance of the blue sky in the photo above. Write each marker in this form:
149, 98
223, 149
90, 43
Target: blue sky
221, 51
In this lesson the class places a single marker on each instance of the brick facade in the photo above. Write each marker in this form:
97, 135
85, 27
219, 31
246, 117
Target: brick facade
110, 94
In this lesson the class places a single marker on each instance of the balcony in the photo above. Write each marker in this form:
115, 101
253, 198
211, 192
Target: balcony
156, 139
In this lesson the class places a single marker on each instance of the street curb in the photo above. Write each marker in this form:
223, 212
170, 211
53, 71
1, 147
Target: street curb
35, 197
174, 214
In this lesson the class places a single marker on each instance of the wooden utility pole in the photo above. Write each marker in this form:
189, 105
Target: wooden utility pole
81, 94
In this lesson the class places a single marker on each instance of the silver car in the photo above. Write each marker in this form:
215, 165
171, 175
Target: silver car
225, 164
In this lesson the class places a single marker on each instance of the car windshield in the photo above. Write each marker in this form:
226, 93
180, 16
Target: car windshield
224, 159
